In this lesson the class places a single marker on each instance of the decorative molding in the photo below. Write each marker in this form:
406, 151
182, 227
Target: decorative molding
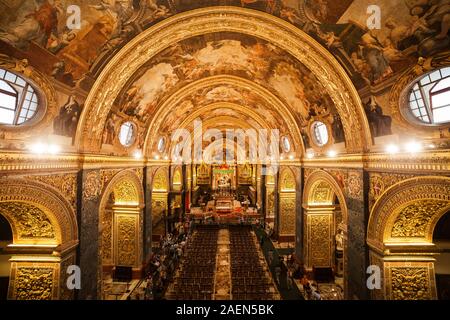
413, 220
66, 183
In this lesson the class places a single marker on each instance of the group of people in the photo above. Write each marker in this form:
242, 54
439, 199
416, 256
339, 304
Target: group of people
165, 259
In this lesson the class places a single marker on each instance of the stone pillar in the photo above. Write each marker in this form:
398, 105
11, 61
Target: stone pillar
147, 213
299, 234
356, 251
90, 188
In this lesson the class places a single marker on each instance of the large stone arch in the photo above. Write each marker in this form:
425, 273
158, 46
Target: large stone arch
400, 236
318, 176
269, 98
45, 200
121, 224
45, 236
408, 211
223, 19
319, 224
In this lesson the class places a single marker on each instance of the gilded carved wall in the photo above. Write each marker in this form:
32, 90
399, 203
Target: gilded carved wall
410, 280
125, 193
396, 210
29, 222
66, 183
287, 214
413, 220
126, 240
318, 239
34, 281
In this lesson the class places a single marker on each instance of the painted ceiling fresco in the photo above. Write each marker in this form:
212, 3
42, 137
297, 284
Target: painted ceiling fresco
36, 30
222, 54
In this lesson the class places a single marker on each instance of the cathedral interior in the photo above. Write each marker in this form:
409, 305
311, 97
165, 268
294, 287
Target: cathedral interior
224, 149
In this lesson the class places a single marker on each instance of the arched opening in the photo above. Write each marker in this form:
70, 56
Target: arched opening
325, 233
406, 234
121, 234
6, 238
441, 238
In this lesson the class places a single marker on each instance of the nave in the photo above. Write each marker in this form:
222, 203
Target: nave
223, 263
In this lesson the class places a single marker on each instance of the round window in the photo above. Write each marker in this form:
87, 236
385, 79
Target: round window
320, 133
18, 100
429, 98
127, 134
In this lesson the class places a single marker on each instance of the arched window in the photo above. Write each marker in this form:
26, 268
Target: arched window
429, 99
18, 100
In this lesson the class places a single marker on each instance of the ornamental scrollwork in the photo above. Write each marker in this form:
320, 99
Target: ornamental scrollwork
126, 240
287, 215
28, 220
412, 221
410, 283
34, 283
66, 183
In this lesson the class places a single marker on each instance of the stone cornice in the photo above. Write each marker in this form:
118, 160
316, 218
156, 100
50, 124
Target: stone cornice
437, 162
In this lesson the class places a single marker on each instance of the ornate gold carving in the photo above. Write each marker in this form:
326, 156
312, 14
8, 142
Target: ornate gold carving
176, 180
159, 207
410, 283
125, 193
66, 183
92, 187
386, 209
287, 214
203, 174
224, 19
380, 182
287, 180
106, 232
34, 283
28, 221
321, 193
413, 220
354, 184
126, 240
318, 241
160, 182
55, 206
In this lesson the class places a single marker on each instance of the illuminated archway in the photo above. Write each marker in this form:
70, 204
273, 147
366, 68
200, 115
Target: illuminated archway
325, 224
120, 225
42, 221
400, 236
